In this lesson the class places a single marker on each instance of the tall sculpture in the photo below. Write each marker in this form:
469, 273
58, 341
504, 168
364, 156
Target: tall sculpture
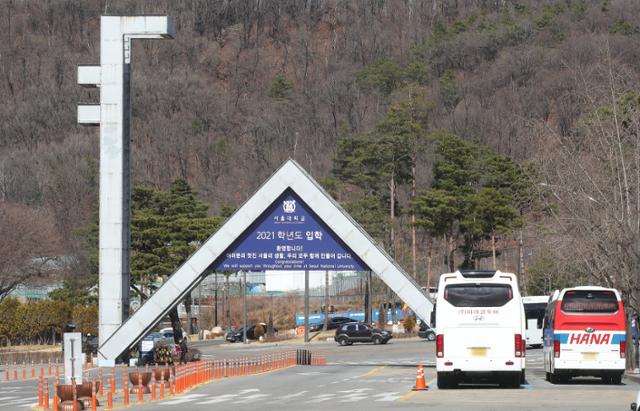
113, 115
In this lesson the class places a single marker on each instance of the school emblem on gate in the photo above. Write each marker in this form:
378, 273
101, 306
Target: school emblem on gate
289, 206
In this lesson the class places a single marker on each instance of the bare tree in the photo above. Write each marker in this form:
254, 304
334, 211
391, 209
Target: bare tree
29, 245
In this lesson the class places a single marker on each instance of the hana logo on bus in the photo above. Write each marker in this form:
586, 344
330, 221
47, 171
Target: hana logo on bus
590, 330
289, 206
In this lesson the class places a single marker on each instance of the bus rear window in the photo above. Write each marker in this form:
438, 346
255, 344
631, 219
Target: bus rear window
585, 301
478, 295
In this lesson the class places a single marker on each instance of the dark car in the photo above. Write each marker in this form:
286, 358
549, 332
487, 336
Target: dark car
349, 333
333, 323
90, 343
237, 335
426, 332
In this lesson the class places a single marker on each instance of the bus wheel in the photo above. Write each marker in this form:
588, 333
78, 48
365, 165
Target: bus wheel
547, 376
553, 378
523, 378
616, 379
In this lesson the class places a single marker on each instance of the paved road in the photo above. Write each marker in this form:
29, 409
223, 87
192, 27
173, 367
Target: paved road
368, 377
18, 395
381, 377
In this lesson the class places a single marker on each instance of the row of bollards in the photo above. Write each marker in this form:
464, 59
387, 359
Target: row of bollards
159, 382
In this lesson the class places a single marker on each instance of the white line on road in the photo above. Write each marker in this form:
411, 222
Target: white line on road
387, 396
288, 397
321, 398
186, 398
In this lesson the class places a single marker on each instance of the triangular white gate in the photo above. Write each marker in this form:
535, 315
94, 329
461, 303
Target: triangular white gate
290, 176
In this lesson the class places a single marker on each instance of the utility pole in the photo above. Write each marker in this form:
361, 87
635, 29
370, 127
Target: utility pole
227, 313
306, 306
326, 300
244, 307
215, 307
521, 268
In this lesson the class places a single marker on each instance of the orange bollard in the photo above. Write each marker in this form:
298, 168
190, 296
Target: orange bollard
46, 394
24, 371
7, 373
49, 366
162, 388
94, 401
125, 388
171, 386
109, 400
100, 390
75, 395
40, 397
57, 370
33, 370
55, 395
153, 386
15, 372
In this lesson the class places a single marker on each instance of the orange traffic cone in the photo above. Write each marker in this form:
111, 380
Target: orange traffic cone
420, 383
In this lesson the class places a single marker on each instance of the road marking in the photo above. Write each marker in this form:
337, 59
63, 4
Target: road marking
321, 398
388, 396
186, 398
251, 398
219, 398
407, 396
374, 371
288, 397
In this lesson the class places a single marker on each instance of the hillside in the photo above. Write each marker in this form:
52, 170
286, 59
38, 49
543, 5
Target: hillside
247, 84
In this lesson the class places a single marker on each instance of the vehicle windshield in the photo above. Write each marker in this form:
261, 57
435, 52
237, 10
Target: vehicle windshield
535, 311
478, 295
591, 302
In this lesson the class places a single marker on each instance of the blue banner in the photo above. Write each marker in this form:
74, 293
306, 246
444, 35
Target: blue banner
289, 236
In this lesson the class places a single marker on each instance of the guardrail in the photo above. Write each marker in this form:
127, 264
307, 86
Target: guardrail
124, 386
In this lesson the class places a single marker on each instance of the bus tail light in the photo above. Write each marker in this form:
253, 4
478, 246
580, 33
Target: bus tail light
623, 349
556, 348
518, 346
524, 347
439, 346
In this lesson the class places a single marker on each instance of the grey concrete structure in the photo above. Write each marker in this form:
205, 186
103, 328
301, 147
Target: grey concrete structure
113, 115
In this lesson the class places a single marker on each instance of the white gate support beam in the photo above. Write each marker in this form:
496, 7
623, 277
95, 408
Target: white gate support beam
290, 175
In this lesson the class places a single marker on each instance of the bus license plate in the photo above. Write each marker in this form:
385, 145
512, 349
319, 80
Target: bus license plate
478, 352
590, 356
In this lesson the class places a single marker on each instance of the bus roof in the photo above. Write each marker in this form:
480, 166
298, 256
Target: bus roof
472, 276
589, 288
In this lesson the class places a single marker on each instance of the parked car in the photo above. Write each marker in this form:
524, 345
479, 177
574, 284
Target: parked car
237, 335
349, 333
333, 323
90, 343
426, 332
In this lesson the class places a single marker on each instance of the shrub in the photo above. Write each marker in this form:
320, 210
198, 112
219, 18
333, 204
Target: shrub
409, 324
258, 331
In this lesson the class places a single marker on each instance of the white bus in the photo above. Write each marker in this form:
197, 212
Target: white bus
534, 309
480, 327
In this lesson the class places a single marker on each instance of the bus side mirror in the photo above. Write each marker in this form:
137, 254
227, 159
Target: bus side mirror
634, 406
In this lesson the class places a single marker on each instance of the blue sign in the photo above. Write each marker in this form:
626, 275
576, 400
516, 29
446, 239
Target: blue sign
289, 236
